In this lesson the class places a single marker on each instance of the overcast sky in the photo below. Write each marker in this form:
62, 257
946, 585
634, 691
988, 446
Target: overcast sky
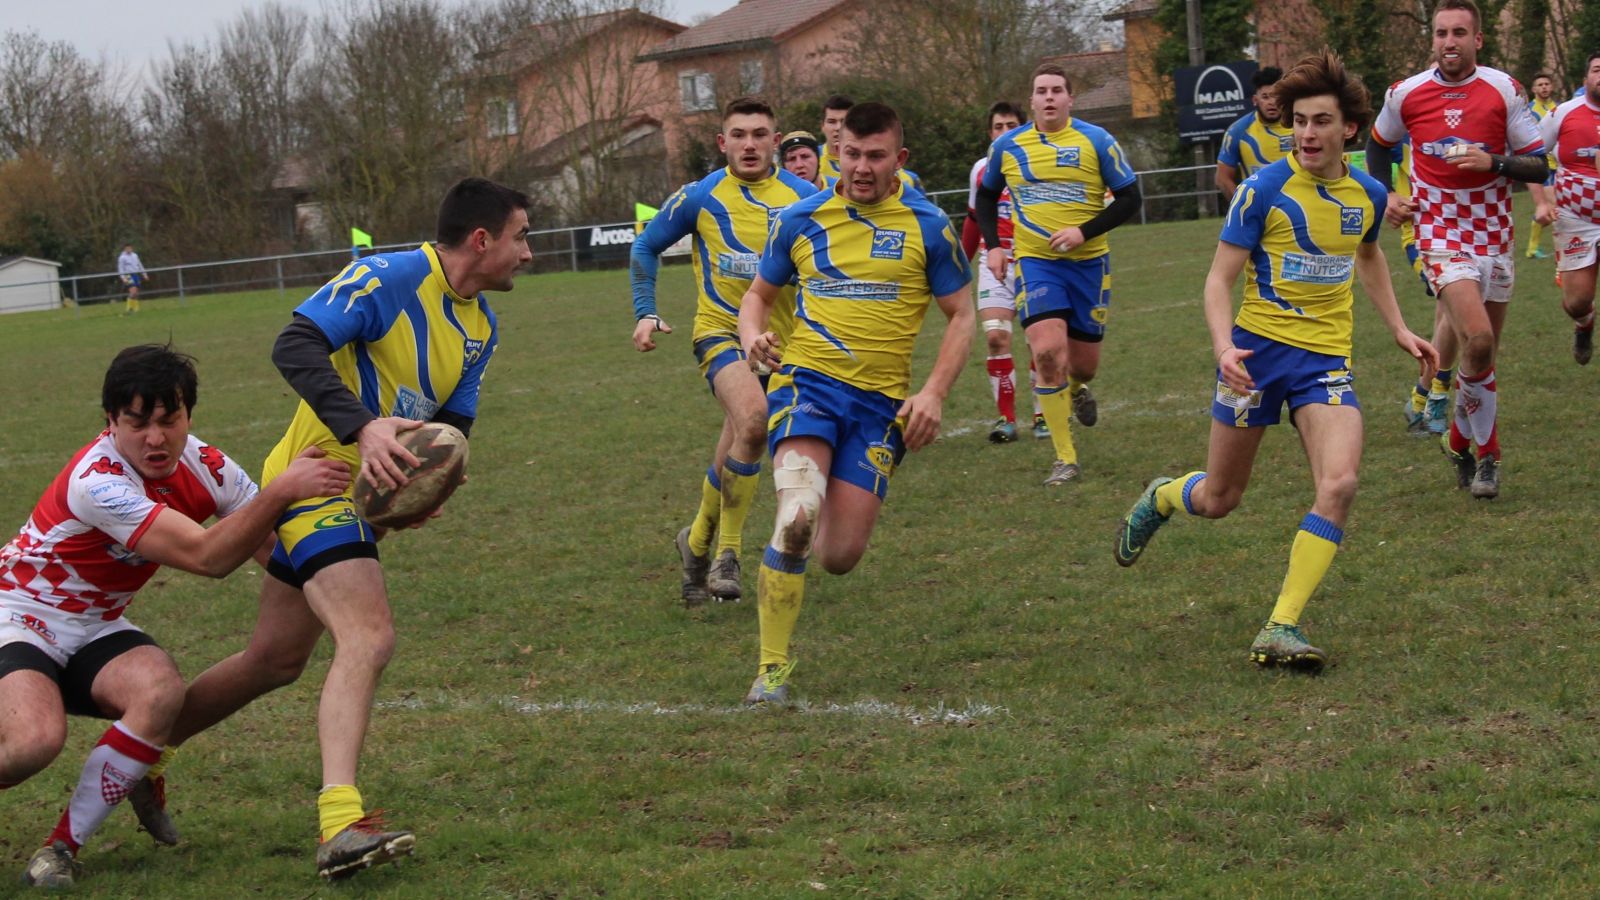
134, 32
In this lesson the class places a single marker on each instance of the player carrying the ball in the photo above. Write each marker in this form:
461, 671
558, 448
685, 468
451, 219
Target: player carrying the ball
397, 339
1304, 226
870, 255
728, 212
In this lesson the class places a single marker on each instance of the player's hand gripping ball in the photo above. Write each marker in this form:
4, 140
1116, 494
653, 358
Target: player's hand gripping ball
441, 451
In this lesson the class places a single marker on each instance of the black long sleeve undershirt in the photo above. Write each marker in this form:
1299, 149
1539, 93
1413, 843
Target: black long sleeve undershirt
1383, 173
301, 354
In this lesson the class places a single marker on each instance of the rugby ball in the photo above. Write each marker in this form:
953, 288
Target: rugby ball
441, 452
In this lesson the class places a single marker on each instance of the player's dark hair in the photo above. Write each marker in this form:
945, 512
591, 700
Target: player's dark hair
154, 374
1050, 68
1468, 5
475, 203
1006, 108
1266, 76
1539, 75
868, 119
1319, 74
1593, 55
837, 101
747, 106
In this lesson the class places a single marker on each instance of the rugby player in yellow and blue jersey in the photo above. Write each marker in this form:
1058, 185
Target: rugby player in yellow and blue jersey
1257, 139
397, 339
1542, 104
833, 113
869, 257
1303, 226
1058, 170
728, 212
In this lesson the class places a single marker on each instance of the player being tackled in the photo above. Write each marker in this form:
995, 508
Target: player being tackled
1305, 225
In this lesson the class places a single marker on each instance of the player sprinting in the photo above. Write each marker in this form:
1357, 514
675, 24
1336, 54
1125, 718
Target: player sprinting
1303, 226
870, 256
997, 304
1058, 170
1572, 136
1257, 139
728, 212
834, 110
1471, 136
131, 272
397, 339
129, 502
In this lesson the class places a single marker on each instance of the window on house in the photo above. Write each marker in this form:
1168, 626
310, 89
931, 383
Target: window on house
750, 80
698, 91
501, 116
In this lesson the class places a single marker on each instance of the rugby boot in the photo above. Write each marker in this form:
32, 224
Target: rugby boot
1583, 345
1041, 431
1416, 420
723, 580
361, 845
1140, 524
771, 687
1486, 481
1438, 413
1085, 408
53, 867
1061, 473
1466, 469
1003, 432
695, 570
149, 801
1286, 646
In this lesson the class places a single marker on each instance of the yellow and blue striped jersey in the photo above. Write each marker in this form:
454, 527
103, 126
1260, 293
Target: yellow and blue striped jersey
729, 218
1302, 233
1251, 144
403, 342
829, 167
1057, 180
867, 274
1540, 109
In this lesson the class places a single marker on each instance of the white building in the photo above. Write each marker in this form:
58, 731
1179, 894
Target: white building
27, 283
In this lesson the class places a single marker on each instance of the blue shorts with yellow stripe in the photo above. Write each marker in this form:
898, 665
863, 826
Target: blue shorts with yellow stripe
1077, 290
316, 534
716, 351
1283, 374
861, 426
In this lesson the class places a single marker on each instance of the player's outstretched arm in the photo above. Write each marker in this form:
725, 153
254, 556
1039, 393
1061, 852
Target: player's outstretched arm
1372, 269
761, 347
174, 539
924, 410
1225, 268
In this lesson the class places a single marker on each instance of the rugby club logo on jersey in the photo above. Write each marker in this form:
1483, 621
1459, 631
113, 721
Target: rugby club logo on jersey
412, 405
1067, 157
1351, 218
1452, 117
888, 244
471, 352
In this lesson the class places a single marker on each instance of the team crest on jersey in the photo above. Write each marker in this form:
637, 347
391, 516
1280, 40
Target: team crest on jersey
471, 352
103, 466
380, 262
412, 405
1351, 219
888, 244
1067, 157
1452, 117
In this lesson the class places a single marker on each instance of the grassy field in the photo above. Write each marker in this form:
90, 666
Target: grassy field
990, 706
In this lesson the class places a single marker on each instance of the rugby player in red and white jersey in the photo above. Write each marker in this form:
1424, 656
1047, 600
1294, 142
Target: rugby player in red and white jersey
1471, 136
1572, 136
128, 503
997, 305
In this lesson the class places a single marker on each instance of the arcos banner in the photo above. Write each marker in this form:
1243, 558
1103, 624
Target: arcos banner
1210, 98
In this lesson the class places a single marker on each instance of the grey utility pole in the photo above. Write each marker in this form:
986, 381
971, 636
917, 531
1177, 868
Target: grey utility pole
1197, 57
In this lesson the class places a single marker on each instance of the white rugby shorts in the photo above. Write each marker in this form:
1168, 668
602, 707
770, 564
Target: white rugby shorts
1575, 242
59, 634
992, 293
1494, 273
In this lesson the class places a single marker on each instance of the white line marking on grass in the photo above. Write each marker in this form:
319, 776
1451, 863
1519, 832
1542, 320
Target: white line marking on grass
939, 714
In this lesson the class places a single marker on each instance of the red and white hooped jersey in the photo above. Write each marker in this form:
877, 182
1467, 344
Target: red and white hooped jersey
1572, 135
77, 551
1458, 210
1006, 226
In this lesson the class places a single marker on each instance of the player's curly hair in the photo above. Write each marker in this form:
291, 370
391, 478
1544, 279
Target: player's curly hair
1319, 74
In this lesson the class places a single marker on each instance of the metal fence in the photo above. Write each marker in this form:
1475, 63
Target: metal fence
1168, 194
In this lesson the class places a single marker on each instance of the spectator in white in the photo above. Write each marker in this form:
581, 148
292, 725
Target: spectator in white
131, 271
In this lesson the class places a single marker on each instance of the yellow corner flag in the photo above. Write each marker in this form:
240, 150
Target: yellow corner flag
642, 215
359, 238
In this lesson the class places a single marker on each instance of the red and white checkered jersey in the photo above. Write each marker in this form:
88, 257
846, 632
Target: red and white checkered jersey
1006, 226
1572, 134
1458, 210
77, 551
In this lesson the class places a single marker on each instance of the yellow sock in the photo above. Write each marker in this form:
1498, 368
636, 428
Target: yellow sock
1171, 497
1056, 404
338, 807
705, 519
1419, 399
1073, 384
739, 481
1533, 236
1440, 385
1314, 546
160, 768
780, 588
